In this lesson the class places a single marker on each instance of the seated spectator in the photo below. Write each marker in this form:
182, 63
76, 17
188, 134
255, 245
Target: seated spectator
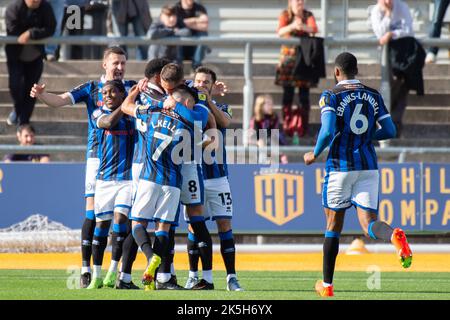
440, 7
193, 16
392, 24
165, 27
265, 118
26, 137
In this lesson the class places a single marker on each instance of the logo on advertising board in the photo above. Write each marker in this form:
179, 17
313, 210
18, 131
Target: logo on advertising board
279, 195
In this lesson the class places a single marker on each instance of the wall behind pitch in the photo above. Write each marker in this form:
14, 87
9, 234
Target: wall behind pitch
285, 199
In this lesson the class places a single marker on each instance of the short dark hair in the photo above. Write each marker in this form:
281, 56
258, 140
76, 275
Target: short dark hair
114, 50
27, 127
117, 84
347, 63
168, 10
206, 70
155, 66
186, 90
172, 72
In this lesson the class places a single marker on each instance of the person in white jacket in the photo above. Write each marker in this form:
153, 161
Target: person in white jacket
391, 19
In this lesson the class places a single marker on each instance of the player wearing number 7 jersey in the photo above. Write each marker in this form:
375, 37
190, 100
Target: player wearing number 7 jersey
349, 115
158, 192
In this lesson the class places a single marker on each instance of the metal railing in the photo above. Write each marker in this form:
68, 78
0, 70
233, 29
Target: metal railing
235, 150
248, 43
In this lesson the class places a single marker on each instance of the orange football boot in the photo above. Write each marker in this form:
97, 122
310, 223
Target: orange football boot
324, 291
403, 250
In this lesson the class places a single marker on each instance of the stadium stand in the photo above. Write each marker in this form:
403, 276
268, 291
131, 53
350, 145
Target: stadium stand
426, 120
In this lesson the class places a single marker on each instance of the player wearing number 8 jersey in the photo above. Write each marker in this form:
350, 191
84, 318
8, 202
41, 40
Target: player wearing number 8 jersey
349, 115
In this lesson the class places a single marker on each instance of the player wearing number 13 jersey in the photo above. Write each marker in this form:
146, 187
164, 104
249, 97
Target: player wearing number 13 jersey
349, 115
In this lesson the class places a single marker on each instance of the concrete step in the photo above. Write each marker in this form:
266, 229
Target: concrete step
410, 131
235, 99
47, 140
413, 114
54, 128
434, 85
42, 112
79, 129
136, 68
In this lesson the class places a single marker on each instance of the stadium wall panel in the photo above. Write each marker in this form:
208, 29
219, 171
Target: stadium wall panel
414, 196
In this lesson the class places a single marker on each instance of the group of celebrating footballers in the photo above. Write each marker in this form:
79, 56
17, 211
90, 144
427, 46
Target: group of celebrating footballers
132, 177
134, 131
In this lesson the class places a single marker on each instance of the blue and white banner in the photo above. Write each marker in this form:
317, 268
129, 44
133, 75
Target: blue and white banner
413, 196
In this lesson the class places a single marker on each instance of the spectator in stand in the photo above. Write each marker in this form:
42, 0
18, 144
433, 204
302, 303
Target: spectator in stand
136, 12
62, 14
265, 118
295, 21
165, 27
440, 7
27, 20
193, 16
391, 21
26, 137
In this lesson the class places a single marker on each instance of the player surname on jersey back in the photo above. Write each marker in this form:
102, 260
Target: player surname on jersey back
360, 96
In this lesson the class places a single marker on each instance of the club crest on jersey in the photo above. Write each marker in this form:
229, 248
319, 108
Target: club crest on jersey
279, 196
202, 97
230, 111
322, 102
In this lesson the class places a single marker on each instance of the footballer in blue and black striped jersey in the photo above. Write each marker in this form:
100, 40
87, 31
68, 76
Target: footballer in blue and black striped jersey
164, 128
357, 108
91, 94
116, 146
352, 116
149, 98
219, 168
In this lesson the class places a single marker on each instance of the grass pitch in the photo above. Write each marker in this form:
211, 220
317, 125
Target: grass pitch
259, 285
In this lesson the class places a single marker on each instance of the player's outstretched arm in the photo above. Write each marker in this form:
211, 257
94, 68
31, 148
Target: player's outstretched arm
387, 130
50, 99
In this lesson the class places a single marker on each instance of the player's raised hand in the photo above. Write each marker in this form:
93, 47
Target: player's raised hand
309, 158
134, 91
37, 90
169, 103
142, 84
219, 88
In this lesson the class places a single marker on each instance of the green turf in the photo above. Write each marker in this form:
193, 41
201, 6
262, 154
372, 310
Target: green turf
52, 284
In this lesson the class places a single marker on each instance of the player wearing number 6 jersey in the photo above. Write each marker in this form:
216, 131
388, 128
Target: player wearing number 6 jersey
349, 115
